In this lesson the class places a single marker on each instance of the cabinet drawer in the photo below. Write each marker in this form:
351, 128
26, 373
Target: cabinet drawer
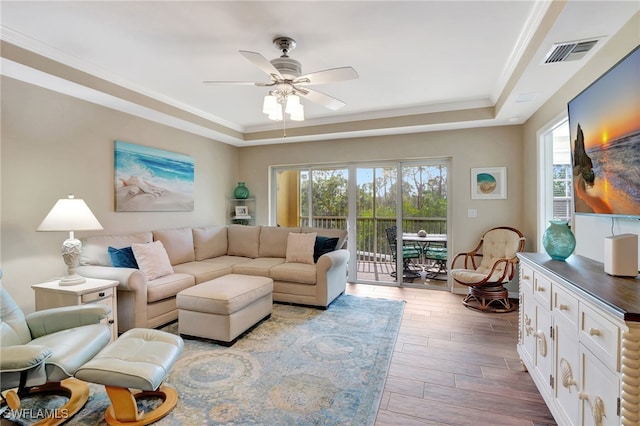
565, 306
600, 335
526, 278
542, 289
97, 295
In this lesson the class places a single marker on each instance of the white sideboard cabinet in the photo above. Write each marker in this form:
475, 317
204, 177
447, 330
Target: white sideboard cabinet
579, 338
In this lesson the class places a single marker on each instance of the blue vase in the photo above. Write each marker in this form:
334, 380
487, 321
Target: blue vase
558, 240
241, 192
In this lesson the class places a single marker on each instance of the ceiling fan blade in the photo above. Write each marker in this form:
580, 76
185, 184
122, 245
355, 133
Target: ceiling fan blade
238, 83
328, 76
261, 62
320, 98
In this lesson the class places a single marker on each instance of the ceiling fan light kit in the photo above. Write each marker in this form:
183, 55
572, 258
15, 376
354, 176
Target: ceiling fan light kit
275, 101
285, 74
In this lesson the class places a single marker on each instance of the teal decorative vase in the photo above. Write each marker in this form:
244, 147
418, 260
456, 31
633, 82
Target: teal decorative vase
241, 192
558, 240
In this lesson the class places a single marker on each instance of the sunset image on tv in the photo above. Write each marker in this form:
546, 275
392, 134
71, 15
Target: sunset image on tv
604, 123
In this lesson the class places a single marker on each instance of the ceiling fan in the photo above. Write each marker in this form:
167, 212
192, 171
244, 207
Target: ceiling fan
288, 81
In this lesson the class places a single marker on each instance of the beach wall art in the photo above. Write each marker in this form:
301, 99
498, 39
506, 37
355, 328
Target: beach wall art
489, 183
152, 180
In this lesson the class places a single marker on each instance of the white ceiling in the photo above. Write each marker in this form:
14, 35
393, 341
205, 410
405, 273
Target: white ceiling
434, 64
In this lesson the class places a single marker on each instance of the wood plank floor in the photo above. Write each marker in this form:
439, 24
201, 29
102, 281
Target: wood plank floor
454, 366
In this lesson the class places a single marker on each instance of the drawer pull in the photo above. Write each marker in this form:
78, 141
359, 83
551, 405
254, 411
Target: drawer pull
563, 307
101, 294
597, 408
542, 342
526, 277
567, 375
527, 325
541, 289
594, 332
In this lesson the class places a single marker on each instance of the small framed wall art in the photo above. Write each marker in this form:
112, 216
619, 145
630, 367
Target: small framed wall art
489, 183
242, 212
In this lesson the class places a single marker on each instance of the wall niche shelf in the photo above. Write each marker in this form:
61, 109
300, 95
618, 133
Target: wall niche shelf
241, 211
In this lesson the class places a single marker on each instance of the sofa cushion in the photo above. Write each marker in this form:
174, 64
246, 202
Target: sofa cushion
243, 240
324, 245
303, 273
178, 243
210, 241
95, 248
122, 258
259, 266
152, 259
273, 241
331, 233
203, 271
300, 247
168, 286
227, 260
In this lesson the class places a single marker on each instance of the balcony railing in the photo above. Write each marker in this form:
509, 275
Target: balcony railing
371, 236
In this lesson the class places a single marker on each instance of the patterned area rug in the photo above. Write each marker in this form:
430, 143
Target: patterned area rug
303, 366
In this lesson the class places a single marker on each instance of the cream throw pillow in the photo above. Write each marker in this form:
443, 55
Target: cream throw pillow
152, 259
300, 247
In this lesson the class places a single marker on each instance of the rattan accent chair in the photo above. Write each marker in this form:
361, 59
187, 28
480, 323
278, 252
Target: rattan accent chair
496, 252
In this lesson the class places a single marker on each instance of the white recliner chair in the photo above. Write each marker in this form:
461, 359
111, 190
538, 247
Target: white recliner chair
40, 352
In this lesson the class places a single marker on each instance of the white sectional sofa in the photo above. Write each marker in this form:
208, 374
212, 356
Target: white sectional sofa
204, 253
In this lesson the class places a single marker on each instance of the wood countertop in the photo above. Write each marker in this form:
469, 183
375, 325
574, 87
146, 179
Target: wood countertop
618, 295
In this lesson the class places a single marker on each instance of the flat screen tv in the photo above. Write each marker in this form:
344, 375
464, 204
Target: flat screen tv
604, 121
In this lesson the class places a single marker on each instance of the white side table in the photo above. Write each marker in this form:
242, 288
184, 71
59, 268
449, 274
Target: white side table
52, 295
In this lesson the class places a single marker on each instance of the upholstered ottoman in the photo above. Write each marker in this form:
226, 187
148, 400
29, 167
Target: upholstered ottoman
224, 308
141, 358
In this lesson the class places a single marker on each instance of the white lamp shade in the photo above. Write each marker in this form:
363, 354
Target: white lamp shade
293, 101
70, 214
276, 115
270, 104
297, 114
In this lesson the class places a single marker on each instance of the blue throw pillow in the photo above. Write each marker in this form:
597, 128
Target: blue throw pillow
122, 258
323, 245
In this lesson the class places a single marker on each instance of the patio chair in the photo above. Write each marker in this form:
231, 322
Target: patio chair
436, 255
409, 252
497, 250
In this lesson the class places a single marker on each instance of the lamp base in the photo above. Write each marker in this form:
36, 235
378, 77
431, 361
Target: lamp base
71, 280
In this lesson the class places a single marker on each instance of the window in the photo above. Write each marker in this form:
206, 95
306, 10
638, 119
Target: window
555, 177
562, 173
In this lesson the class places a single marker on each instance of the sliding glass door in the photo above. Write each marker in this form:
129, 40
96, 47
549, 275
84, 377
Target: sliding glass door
383, 206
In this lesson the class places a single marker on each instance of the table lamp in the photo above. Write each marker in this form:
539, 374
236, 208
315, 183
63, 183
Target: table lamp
70, 214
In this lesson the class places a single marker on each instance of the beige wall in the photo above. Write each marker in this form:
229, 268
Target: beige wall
481, 147
53, 144
590, 231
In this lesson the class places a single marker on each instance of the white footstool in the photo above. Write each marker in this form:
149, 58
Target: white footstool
224, 308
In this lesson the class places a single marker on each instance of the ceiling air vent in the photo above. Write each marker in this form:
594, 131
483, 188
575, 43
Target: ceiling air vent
572, 51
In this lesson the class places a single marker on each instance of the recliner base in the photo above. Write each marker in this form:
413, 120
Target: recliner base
75, 390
